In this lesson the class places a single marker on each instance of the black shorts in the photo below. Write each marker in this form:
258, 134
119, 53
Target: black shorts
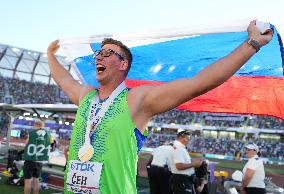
32, 169
255, 190
181, 184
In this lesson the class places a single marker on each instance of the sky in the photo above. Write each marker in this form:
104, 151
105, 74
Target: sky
33, 24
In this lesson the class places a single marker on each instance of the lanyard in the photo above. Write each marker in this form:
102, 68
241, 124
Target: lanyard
98, 117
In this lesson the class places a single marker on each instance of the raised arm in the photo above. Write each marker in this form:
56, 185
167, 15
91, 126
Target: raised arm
62, 77
164, 97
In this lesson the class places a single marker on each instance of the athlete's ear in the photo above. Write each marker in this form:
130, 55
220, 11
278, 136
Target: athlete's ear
124, 65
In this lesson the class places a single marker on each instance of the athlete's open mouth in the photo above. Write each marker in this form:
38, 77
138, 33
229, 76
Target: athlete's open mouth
100, 68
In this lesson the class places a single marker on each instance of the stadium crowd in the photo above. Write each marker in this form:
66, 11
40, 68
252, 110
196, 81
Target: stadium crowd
37, 92
230, 147
4, 124
25, 92
222, 146
218, 119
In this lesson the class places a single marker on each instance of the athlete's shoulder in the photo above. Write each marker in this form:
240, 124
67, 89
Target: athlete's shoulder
139, 91
86, 89
142, 88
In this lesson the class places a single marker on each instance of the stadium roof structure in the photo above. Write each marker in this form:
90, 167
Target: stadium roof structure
28, 65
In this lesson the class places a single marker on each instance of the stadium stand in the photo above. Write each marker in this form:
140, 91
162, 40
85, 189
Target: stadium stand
25, 92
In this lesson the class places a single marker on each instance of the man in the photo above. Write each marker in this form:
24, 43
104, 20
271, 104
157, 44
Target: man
182, 166
36, 152
159, 172
106, 138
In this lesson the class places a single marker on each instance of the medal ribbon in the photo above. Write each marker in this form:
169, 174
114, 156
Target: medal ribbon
98, 117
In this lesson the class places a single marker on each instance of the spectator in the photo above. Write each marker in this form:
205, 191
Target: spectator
66, 153
253, 179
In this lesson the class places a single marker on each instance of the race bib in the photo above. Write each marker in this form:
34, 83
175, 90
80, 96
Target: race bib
84, 177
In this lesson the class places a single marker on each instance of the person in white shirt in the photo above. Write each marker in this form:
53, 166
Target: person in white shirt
182, 166
253, 179
159, 172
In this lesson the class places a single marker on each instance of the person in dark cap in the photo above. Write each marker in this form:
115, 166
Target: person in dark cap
182, 133
182, 165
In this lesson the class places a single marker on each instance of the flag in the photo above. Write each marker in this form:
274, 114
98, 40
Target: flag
257, 88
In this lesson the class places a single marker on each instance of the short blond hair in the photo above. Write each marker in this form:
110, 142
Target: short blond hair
38, 123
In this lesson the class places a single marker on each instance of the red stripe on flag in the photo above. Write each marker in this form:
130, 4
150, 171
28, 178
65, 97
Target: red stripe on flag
239, 95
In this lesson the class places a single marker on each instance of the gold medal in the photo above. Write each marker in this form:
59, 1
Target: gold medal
86, 152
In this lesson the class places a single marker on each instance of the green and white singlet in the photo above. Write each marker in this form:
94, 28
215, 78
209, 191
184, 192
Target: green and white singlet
38, 145
114, 142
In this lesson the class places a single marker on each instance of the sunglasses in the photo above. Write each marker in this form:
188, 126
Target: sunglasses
107, 53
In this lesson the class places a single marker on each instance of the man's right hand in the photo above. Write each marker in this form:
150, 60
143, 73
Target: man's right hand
197, 162
61, 76
53, 47
254, 32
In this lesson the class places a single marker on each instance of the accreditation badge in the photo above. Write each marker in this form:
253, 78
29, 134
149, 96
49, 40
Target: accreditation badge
84, 177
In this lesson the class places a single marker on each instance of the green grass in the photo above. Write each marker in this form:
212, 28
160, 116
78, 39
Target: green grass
4, 161
239, 166
143, 185
12, 189
230, 165
142, 182
274, 171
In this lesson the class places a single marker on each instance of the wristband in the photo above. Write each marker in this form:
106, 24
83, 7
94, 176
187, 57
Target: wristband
254, 43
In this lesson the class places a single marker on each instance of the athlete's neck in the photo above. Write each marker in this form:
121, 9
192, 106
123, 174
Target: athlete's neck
106, 90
